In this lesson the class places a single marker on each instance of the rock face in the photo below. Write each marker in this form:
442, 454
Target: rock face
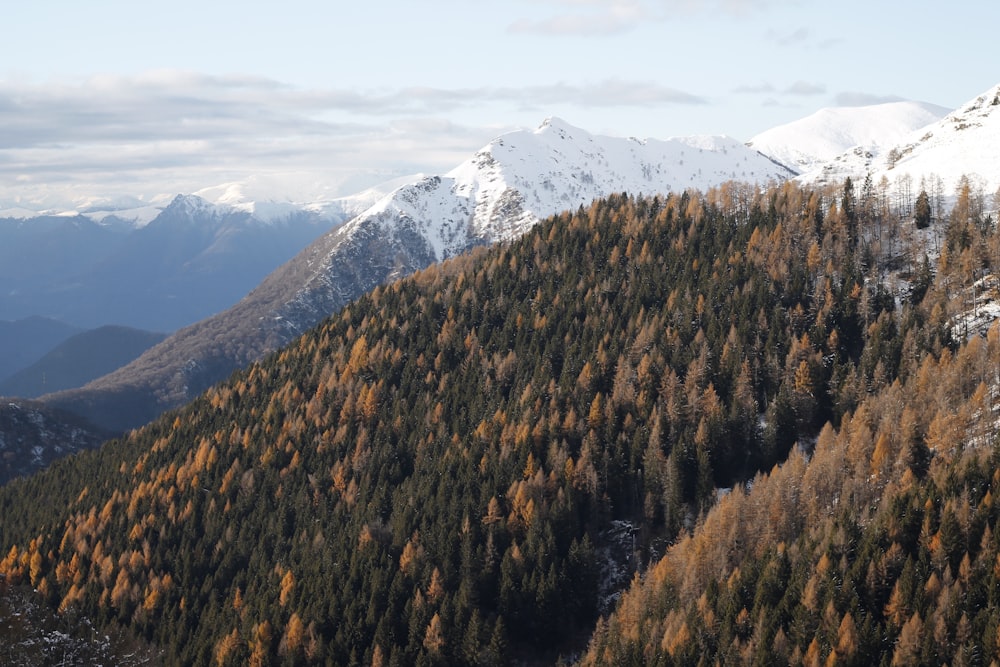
496, 195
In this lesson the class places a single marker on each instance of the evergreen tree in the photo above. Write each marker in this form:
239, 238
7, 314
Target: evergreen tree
922, 211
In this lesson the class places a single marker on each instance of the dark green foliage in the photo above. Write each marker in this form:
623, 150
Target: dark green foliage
922, 211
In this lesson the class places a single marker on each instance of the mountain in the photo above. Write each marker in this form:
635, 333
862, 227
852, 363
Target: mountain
496, 195
466, 466
80, 359
191, 260
33, 435
23, 342
808, 143
963, 143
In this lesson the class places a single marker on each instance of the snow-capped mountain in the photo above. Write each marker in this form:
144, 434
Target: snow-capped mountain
521, 177
808, 143
964, 142
497, 194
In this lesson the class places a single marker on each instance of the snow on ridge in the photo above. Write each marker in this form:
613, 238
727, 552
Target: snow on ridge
962, 143
523, 176
810, 142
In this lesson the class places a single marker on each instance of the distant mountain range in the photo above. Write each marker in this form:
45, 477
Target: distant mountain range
25, 341
191, 260
79, 359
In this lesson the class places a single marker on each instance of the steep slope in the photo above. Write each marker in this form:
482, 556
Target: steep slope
807, 144
965, 142
498, 194
464, 466
878, 547
80, 359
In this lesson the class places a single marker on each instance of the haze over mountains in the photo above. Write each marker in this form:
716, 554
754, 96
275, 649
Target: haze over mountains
190, 261
79, 359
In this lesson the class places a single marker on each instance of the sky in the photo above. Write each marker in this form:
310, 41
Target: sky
114, 100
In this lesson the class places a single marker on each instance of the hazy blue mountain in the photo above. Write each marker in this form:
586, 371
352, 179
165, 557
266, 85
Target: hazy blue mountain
191, 260
24, 341
80, 359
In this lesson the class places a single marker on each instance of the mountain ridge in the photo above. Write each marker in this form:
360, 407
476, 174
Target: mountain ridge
962, 143
79, 359
808, 143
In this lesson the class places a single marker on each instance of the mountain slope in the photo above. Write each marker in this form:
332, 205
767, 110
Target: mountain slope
80, 359
879, 546
965, 142
24, 342
465, 466
808, 143
496, 195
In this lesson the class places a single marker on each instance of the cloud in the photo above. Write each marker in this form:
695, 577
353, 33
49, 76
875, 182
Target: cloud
858, 99
798, 89
794, 38
184, 107
804, 88
608, 93
175, 131
759, 89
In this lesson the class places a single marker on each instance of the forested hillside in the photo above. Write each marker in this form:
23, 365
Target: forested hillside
882, 547
441, 473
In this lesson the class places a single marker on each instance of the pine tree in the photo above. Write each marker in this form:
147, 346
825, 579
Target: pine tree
922, 211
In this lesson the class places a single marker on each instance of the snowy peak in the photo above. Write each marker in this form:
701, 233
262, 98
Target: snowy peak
497, 194
806, 144
523, 176
962, 143
190, 205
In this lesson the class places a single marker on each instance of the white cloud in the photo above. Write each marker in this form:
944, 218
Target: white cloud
758, 89
805, 88
793, 38
175, 131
